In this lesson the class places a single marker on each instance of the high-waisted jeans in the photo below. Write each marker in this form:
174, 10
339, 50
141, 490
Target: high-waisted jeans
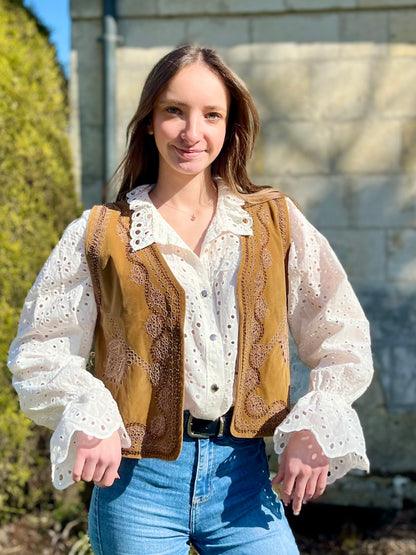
216, 495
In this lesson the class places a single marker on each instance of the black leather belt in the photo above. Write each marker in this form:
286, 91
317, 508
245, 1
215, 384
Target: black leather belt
199, 428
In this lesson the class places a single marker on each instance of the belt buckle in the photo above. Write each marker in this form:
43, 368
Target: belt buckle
198, 435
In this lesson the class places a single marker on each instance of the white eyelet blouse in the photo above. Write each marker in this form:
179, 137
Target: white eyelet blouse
49, 355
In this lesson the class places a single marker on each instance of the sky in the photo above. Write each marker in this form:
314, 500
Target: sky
54, 14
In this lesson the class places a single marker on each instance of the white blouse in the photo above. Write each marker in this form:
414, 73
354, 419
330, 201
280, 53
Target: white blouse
49, 355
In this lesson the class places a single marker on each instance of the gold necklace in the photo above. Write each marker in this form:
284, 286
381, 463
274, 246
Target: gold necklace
193, 215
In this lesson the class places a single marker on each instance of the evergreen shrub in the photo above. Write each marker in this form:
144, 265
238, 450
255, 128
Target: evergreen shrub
37, 201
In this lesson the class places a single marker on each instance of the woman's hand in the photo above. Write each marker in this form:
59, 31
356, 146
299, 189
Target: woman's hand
303, 470
97, 459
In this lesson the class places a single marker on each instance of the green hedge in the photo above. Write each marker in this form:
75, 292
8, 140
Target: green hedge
37, 201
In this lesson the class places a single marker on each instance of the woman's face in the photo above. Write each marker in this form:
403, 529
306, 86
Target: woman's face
190, 121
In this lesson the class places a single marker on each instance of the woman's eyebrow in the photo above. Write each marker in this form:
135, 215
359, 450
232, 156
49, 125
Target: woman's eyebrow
180, 104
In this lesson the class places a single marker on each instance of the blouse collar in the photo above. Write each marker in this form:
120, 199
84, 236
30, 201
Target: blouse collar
148, 226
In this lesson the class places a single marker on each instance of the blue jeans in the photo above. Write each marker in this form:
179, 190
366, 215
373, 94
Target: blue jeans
216, 495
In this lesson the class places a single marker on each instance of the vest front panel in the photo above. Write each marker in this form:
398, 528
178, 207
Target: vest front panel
139, 349
139, 340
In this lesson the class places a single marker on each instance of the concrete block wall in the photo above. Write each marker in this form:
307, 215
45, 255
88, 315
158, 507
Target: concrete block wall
335, 85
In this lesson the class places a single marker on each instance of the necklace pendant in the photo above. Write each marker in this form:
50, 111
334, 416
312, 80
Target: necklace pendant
193, 218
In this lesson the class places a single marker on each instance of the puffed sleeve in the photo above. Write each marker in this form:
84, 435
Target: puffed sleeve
332, 337
48, 357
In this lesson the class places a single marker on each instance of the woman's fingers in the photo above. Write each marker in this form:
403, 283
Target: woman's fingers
107, 478
96, 459
303, 470
78, 468
321, 484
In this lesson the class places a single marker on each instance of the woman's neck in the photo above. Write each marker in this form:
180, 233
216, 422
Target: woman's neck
188, 208
193, 193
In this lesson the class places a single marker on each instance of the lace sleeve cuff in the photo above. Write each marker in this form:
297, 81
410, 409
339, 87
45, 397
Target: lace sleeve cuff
336, 427
96, 415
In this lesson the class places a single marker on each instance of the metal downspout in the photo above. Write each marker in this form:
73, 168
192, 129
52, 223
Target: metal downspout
110, 39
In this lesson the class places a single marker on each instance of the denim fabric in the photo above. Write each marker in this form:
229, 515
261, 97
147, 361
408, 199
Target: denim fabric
216, 495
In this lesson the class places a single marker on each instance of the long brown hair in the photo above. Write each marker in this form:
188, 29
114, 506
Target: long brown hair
140, 164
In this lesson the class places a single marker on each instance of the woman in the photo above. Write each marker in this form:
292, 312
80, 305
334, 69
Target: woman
188, 283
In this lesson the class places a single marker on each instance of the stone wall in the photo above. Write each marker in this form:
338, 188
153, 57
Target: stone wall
335, 84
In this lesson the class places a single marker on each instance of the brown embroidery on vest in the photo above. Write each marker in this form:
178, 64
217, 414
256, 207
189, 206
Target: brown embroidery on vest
136, 432
254, 279
159, 435
116, 364
164, 327
123, 357
99, 221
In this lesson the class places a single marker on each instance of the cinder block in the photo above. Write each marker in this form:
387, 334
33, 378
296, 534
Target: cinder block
399, 386
409, 146
281, 90
136, 8
401, 261
238, 57
79, 9
385, 201
178, 7
395, 87
175, 7
248, 6
325, 200
134, 61
157, 35
402, 50
364, 27
91, 98
384, 3
319, 4
276, 51
341, 89
218, 32
363, 50
402, 24
92, 149
361, 252
366, 147
85, 37
397, 299
131, 79
295, 148
91, 189
296, 28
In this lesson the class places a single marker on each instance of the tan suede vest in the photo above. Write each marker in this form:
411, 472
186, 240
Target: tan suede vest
139, 342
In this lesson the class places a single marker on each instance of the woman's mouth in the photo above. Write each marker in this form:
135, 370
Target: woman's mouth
188, 152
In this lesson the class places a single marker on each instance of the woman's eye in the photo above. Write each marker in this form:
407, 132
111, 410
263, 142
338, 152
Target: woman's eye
172, 110
214, 115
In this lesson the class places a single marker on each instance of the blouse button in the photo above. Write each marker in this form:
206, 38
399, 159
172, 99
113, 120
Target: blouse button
214, 388
213, 337
204, 293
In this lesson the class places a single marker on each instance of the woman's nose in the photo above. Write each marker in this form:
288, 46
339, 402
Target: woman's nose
191, 132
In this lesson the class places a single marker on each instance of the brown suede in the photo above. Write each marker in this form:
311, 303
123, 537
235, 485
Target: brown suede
139, 343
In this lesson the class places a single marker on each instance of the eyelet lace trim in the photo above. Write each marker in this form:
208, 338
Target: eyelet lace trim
326, 414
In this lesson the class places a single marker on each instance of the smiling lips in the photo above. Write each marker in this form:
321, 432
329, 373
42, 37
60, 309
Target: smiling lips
188, 153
